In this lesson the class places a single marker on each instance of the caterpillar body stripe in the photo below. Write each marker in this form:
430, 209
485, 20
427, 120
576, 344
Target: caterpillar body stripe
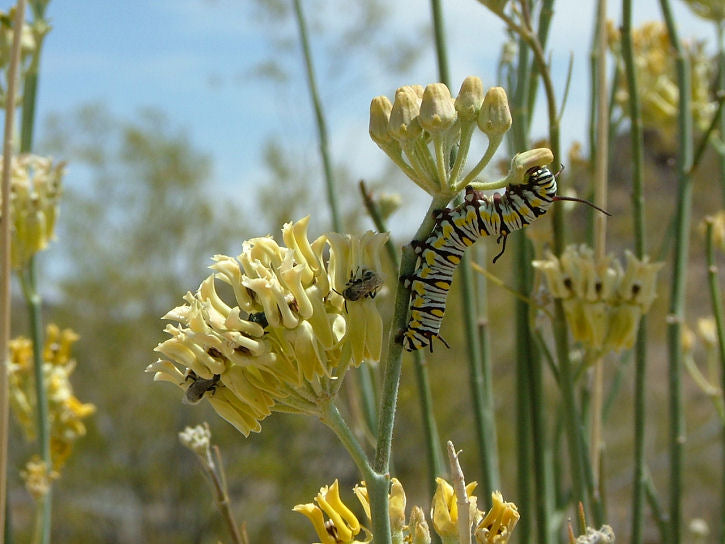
455, 230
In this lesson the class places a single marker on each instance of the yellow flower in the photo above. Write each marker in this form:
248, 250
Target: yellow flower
341, 526
496, 527
65, 412
602, 301
418, 530
444, 512
287, 337
37, 477
35, 188
655, 67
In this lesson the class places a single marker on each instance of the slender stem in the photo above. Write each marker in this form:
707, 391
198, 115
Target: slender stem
717, 311
638, 212
34, 304
523, 345
5, 242
705, 138
679, 276
493, 144
600, 220
440, 42
333, 419
221, 495
319, 117
720, 30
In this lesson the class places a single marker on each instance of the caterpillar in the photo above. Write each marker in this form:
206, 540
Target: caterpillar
458, 228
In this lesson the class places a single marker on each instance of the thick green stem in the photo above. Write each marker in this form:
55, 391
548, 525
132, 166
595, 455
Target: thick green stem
378, 486
333, 419
676, 315
319, 118
432, 439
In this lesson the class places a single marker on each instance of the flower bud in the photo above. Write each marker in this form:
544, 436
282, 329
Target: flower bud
437, 112
523, 162
494, 119
397, 506
404, 124
418, 527
380, 108
470, 98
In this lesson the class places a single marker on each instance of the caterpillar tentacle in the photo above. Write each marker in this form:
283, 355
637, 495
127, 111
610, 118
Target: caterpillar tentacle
455, 230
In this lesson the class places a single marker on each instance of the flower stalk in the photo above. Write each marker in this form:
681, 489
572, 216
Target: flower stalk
676, 315
5, 259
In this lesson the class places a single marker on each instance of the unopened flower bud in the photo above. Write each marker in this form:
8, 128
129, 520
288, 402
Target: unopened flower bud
380, 109
404, 124
470, 98
523, 162
418, 527
397, 506
494, 119
437, 112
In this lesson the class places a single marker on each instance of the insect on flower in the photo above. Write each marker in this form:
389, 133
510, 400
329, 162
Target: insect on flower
199, 387
363, 283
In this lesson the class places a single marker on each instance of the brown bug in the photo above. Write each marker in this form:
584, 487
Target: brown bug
363, 283
199, 387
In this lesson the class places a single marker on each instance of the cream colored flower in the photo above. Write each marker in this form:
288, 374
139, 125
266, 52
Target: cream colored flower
604, 535
602, 301
65, 412
286, 337
35, 189
425, 126
654, 61
37, 477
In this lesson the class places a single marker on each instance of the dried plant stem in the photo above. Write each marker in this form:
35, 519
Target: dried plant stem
638, 213
6, 265
679, 276
717, 312
319, 117
462, 502
600, 220
221, 495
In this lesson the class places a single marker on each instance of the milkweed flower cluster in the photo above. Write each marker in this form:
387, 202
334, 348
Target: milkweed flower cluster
602, 300
335, 523
284, 337
713, 10
603, 535
422, 127
35, 189
656, 76
66, 413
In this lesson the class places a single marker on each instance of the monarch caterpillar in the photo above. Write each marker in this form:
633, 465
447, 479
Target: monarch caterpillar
458, 228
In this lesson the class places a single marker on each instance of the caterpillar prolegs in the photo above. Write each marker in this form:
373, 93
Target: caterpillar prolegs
458, 228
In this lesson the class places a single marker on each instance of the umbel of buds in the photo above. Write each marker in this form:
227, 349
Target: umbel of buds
291, 325
427, 133
603, 301
35, 189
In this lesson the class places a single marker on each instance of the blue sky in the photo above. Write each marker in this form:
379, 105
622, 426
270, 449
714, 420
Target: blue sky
191, 59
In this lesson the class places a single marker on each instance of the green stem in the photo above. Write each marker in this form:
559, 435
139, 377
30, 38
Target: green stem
440, 42
319, 117
720, 29
432, 439
34, 304
676, 315
717, 311
378, 486
333, 419
637, 146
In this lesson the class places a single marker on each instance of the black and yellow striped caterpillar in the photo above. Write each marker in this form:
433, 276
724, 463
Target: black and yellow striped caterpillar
458, 228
